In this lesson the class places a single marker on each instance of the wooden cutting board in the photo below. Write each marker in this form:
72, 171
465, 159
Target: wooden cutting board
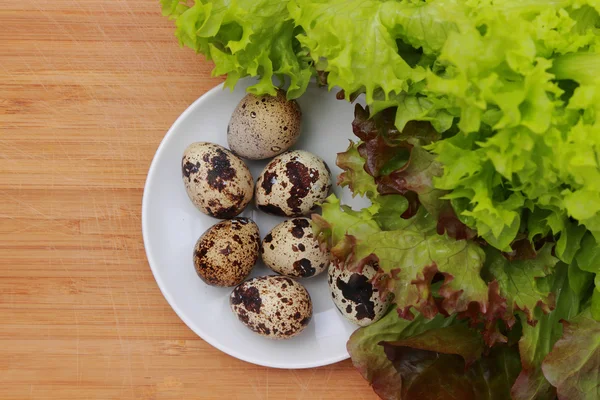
88, 88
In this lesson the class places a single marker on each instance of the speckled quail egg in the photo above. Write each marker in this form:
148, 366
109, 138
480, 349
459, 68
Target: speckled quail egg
218, 182
355, 296
291, 249
264, 126
273, 306
225, 254
293, 184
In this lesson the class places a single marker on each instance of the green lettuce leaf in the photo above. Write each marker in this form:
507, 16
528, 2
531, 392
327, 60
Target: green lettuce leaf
513, 151
588, 260
569, 241
346, 38
354, 175
580, 280
519, 282
173, 8
573, 365
412, 256
537, 341
390, 211
245, 38
477, 193
412, 107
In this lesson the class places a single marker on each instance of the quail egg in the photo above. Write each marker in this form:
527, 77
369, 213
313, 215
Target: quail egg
355, 296
293, 184
264, 126
218, 182
291, 249
273, 306
225, 254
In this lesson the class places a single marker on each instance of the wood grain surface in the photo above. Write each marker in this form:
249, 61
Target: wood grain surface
88, 88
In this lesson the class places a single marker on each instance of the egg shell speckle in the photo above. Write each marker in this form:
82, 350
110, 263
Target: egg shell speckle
293, 184
264, 126
218, 182
273, 306
291, 249
355, 296
225, 254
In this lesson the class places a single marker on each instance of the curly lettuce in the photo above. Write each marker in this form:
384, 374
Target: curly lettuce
245, 38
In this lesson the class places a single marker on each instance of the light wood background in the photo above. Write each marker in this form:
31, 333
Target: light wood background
87, 90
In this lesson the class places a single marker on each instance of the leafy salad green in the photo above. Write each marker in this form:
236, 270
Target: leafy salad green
480, 153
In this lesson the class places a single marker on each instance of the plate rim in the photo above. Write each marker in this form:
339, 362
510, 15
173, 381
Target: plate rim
161, 285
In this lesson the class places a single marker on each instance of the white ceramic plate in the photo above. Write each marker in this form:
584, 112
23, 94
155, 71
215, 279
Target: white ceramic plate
171, 225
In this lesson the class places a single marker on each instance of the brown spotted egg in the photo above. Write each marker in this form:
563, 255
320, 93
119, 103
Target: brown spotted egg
264, 126
291, 249
225, 254
218, 183
293, 184
355, 296
273, 306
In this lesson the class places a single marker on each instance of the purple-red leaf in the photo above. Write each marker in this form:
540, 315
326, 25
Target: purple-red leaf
573, 366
